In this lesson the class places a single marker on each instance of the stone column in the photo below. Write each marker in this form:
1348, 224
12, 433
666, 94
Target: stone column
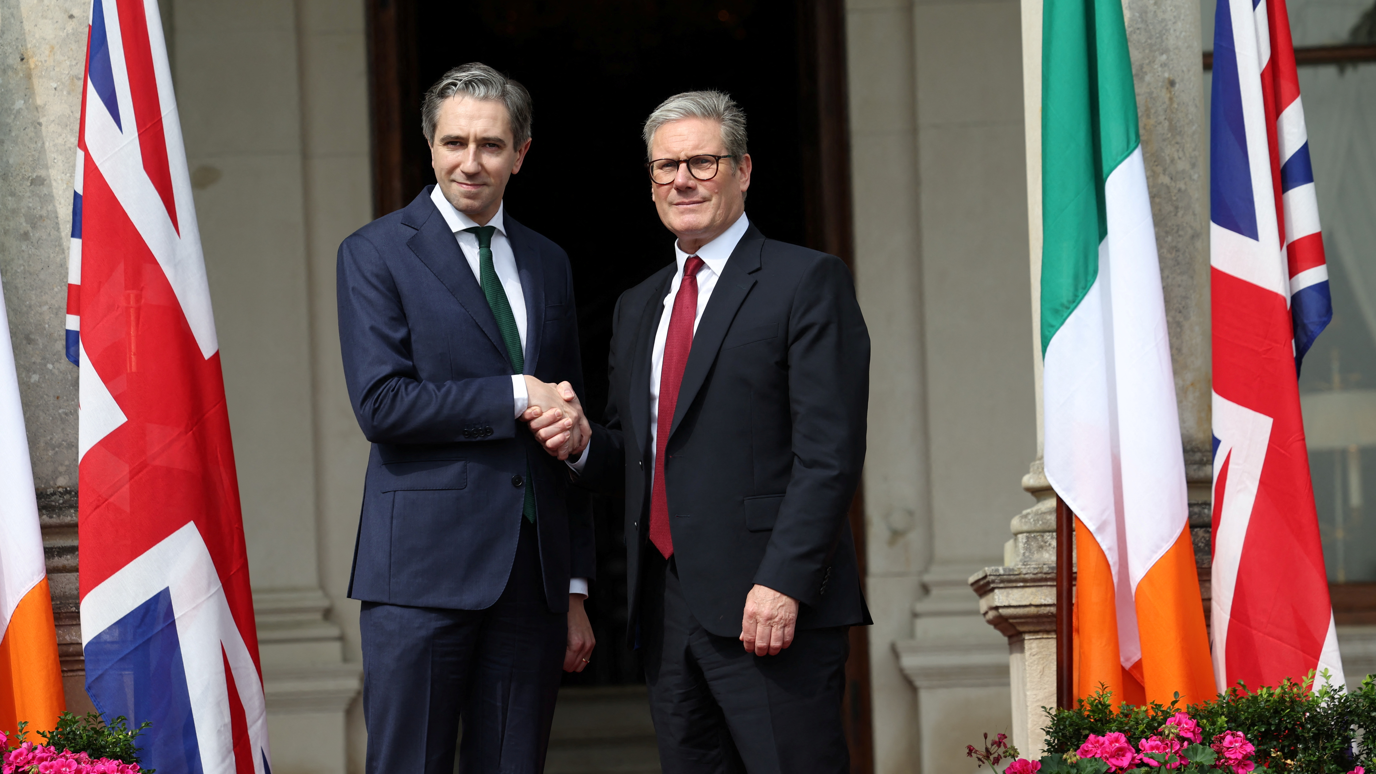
44, 44
273, 106
1019, 598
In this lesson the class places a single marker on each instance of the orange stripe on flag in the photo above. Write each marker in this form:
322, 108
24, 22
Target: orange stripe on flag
1097, 662
1170, 622
30, 675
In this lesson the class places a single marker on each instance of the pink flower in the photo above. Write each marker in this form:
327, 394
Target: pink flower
1234, 751
62, 765
1358, 770
1117, 752
1092, 747
4, 740
1185, 727
1156, 745
1024, 766
1112, 748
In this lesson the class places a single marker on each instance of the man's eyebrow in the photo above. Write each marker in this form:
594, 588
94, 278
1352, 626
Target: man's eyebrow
449, 137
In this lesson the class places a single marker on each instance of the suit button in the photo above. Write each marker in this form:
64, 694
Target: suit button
517, 481
635, 525
640, 464
467, 433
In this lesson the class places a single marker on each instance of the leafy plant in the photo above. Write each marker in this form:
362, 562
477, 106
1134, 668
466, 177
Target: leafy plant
1292, 728
86, 745
97, 738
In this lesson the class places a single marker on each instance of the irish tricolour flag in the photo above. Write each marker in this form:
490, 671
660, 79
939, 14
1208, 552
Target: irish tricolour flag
1113, 449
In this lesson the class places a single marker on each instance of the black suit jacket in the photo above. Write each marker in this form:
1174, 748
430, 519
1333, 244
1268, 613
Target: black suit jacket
767, 441
430, 382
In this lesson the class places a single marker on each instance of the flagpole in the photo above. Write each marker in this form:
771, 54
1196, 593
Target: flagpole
1065, 600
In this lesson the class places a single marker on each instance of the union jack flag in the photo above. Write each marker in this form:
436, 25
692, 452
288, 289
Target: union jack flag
166, 611
1272, 616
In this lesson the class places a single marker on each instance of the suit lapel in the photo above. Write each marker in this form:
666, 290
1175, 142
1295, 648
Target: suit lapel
640, 369
733, 286
530, 267
434, 244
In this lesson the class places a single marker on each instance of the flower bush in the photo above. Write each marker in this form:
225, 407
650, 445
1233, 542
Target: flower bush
77, 746
1290, 728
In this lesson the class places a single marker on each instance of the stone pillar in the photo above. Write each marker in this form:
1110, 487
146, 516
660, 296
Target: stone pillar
273, 106
44, 46
1019, 598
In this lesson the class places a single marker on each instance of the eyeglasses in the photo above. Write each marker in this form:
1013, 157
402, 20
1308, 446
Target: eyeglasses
664, 171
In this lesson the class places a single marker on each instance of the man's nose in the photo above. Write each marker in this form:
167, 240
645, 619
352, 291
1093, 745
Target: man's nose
684, 179
468, 160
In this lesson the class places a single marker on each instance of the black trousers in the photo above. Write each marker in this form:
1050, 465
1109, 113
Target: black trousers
498, 669
720, 710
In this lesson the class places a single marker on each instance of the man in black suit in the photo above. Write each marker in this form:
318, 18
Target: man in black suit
453, 319
736, 427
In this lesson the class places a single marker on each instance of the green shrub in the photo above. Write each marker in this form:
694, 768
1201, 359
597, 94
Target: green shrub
1294, 728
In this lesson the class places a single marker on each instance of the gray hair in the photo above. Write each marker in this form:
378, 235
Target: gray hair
478, 81
711, 105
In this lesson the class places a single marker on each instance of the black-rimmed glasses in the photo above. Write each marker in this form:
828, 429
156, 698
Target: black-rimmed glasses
704, 167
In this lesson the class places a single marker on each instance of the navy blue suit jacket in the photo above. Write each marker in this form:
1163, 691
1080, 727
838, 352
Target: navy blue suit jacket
430, 383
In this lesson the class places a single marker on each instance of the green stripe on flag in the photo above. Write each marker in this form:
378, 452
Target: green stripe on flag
1089, 126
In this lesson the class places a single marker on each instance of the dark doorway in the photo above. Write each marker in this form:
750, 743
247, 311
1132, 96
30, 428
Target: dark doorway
595, 70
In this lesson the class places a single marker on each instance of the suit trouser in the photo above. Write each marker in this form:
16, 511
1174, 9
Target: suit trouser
498, 669
720, 710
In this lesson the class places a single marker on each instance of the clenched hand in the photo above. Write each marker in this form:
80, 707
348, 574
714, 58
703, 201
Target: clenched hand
769, 622
581, 640
556, 417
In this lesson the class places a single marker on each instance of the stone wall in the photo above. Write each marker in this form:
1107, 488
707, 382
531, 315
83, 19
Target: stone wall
940, 225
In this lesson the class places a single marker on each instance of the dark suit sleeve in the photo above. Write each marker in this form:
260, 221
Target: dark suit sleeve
392, 403
828, 392
582, 543
605, 470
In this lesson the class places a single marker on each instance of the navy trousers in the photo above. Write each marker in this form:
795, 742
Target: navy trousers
497, 669
720, 710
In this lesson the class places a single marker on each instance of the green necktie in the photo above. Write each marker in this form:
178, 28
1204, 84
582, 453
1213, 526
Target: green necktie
506, 324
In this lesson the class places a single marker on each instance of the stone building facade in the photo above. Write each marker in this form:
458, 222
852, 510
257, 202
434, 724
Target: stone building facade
943, 117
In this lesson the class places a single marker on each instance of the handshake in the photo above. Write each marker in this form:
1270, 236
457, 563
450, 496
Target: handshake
556, 418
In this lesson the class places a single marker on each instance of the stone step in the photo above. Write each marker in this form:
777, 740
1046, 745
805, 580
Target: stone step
603, 730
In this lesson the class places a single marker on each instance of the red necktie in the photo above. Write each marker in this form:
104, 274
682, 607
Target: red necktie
676, 347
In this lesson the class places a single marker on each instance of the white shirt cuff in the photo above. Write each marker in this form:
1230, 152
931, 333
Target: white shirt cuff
519, 394
578, 586
577, 465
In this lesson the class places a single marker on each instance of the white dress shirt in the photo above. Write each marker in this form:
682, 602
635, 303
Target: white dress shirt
714, 256
504, 261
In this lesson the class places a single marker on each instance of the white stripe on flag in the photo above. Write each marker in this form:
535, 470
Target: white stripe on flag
100, 414
1244, 436
1308, 277
21, 542
1301, 212
1291, 134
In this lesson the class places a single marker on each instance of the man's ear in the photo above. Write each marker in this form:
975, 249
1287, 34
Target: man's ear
521, 155
743, 169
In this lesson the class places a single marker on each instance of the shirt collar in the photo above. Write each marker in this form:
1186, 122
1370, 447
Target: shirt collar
457, 220
716, 252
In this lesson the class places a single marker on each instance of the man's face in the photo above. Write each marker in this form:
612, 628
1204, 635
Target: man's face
474, 155
698, 211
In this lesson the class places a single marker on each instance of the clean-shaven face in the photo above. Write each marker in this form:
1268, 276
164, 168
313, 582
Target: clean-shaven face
474, 155
698, 211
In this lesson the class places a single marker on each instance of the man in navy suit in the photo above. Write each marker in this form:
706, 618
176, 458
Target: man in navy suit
736, 428
454, 319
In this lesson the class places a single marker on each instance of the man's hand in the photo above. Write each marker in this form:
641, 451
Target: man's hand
769, 622
581, 641
556, 417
